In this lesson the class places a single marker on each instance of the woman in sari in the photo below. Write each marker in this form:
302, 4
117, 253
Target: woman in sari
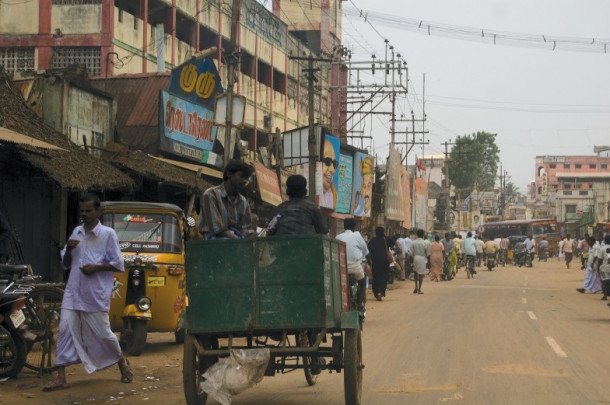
437, 253
378, 248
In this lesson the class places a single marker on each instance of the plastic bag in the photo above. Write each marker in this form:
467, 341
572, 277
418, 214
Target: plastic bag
561, 255
236, 373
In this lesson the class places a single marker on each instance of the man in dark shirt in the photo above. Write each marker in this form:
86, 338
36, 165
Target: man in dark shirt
298, 215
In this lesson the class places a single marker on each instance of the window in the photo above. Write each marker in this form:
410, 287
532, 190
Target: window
577, 185
566, 165
604, 166
583, 192
88, 56
567, 186
592, 165
552, 166
17, 59
145, 232
578, 165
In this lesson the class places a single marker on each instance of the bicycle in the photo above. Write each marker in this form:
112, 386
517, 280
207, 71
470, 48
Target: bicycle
470, 271
42, 309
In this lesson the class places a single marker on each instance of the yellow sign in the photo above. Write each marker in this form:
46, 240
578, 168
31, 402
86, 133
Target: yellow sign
155, 281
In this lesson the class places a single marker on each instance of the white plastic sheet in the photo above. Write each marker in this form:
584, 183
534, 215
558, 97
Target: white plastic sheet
231, 375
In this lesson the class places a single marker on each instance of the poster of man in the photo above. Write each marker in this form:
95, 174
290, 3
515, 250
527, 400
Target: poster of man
364, 175
329, 164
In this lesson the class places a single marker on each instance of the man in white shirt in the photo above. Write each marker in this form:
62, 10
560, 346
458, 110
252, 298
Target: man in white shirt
356, 251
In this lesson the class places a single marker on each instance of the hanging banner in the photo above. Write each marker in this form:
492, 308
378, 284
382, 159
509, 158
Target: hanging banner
344, 182
406, 196
364, 176
328, 172
420, 199
394, 209
268, 184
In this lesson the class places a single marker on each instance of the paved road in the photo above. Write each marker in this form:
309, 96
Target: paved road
511, 336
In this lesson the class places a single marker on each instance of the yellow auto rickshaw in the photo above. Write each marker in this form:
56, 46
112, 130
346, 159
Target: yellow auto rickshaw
150, 295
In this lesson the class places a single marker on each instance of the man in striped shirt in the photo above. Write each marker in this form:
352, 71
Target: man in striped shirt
225, 212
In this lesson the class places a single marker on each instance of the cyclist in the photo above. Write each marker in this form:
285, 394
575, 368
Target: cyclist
470, 250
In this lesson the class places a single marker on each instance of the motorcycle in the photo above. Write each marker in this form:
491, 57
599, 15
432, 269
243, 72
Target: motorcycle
543, 254
490, 261
13, 345
521, 256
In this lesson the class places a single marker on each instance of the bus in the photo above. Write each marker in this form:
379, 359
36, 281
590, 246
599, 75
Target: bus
538, 228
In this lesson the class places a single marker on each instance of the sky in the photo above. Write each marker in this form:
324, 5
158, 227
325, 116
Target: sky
538, 101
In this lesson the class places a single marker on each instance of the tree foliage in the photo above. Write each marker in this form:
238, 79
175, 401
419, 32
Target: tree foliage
473, 161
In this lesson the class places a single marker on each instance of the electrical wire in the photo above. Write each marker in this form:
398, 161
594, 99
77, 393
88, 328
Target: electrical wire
487, 36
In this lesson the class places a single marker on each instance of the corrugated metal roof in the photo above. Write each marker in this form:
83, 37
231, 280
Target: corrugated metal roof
137, 97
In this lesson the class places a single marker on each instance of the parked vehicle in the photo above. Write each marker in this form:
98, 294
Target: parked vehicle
13, 346
150, 295
241, 292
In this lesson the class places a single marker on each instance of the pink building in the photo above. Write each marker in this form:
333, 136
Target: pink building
548, 167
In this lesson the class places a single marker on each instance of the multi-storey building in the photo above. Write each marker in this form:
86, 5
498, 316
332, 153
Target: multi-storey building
574, 189
547, 168
112, 37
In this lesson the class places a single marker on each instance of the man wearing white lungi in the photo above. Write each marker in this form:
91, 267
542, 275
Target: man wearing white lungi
92, 255
420, 254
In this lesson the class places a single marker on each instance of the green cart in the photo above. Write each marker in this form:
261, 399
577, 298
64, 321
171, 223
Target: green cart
285, 293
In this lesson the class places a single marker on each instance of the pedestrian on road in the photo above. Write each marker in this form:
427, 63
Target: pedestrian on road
378, 248
583, 248
84, 336
448, 255
604, 266
420, 256
401, 255
436, 259
568, 248
592, 282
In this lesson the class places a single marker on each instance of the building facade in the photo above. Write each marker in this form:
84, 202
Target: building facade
116, 37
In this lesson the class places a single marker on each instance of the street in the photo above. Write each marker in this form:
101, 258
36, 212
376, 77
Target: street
510, 336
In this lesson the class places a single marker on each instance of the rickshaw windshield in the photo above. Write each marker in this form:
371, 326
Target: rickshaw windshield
145, 232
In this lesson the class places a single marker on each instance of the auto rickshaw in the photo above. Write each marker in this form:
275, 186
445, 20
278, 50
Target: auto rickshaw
150, 295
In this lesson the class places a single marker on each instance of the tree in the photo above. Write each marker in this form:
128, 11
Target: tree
510, 190
473, 161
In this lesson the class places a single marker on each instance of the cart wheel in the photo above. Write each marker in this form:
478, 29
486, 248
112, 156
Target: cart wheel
304, 340
352, 379
193, 367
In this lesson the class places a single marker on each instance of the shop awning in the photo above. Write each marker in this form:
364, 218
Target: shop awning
192, 167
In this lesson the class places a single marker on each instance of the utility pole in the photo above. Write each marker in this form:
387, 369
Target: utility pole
311, 138
232, 60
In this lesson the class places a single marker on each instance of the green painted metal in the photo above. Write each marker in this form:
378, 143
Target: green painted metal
350, 320
274, 283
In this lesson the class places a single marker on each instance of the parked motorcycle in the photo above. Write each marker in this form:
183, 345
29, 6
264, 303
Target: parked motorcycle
490, 261
13, 346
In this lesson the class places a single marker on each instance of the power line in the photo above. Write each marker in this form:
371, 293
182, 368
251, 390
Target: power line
487, 36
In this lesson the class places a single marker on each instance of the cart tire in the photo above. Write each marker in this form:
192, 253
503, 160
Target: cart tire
352, 379
193, 368
304, 340
135, 340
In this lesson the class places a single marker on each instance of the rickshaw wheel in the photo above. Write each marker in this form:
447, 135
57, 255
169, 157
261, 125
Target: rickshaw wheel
193, 368
352, 378
134, 336
304, 340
